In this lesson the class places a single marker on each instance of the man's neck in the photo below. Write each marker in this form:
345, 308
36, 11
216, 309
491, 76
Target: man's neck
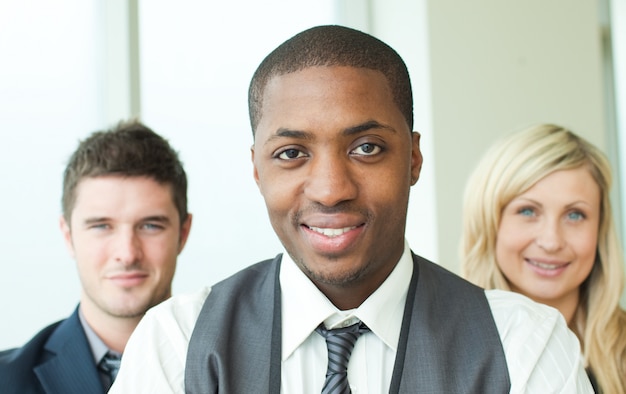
113, 331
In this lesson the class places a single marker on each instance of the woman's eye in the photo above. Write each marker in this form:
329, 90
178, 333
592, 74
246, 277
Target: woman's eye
575, 216
289, 154
526, 211
367, 149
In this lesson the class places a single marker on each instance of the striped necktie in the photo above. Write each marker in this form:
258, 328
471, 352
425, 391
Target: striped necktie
110, 364
340, 343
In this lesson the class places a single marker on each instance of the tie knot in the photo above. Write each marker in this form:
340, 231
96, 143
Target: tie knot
340, 343
110, 364
350, 333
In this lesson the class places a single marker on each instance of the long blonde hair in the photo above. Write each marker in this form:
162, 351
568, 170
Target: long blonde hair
509, 168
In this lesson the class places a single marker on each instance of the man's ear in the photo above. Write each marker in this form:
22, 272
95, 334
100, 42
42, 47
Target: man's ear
255, 170
416, 157
185, 228
67, 235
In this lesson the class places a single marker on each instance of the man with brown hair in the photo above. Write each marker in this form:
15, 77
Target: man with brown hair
124, 222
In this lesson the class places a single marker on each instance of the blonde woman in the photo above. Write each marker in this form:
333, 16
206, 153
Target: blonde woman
537, 220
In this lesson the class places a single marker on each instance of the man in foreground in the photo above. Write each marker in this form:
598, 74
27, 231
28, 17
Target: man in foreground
347, 306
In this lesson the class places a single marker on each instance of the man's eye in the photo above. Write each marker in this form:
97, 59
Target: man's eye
289, 154
367, 149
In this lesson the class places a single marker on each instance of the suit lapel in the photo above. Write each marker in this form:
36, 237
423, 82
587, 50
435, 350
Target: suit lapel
69, 367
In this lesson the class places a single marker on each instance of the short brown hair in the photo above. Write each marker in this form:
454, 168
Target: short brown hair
129, 149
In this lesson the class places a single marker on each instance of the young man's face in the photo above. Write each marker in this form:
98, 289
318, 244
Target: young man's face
334, 160
125, 235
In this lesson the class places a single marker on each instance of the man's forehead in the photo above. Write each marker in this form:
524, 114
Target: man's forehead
325, 94
323, 82
105, 189
322, 69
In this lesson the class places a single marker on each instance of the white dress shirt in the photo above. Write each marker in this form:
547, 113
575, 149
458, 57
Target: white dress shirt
542, 355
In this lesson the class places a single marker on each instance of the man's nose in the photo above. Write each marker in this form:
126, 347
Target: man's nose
330, 180
128, 247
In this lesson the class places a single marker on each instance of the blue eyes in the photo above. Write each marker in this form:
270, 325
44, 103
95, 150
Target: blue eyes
152, 226
526, 212
144, 226
574, 216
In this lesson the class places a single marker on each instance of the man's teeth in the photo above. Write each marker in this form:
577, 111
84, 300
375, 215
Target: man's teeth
332, 232
544, 265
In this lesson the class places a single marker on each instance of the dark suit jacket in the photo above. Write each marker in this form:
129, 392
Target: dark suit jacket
57, 360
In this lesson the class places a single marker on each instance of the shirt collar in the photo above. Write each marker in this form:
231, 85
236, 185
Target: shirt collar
98, 348
304, 307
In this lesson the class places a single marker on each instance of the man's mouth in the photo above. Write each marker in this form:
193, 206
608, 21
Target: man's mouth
331, 232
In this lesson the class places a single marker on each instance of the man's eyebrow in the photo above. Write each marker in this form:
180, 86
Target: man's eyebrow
102, 219
93, 220
369, 125
157, 218
284, 132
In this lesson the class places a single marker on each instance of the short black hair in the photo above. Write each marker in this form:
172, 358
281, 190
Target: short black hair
332, 45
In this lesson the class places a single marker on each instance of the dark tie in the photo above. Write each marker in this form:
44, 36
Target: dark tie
110, 364
340, 343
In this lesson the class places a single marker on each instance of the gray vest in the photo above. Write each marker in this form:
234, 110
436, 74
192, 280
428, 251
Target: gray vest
448, 343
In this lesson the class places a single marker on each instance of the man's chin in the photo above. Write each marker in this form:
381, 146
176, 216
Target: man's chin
129, 311
336, 277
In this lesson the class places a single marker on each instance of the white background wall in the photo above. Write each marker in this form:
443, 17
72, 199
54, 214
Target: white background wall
497, 66
479, 69
50, 95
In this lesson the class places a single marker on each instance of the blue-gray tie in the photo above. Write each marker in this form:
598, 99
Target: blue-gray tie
340, 343
110, 364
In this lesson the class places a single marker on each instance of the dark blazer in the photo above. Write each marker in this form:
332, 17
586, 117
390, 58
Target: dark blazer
57, 360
